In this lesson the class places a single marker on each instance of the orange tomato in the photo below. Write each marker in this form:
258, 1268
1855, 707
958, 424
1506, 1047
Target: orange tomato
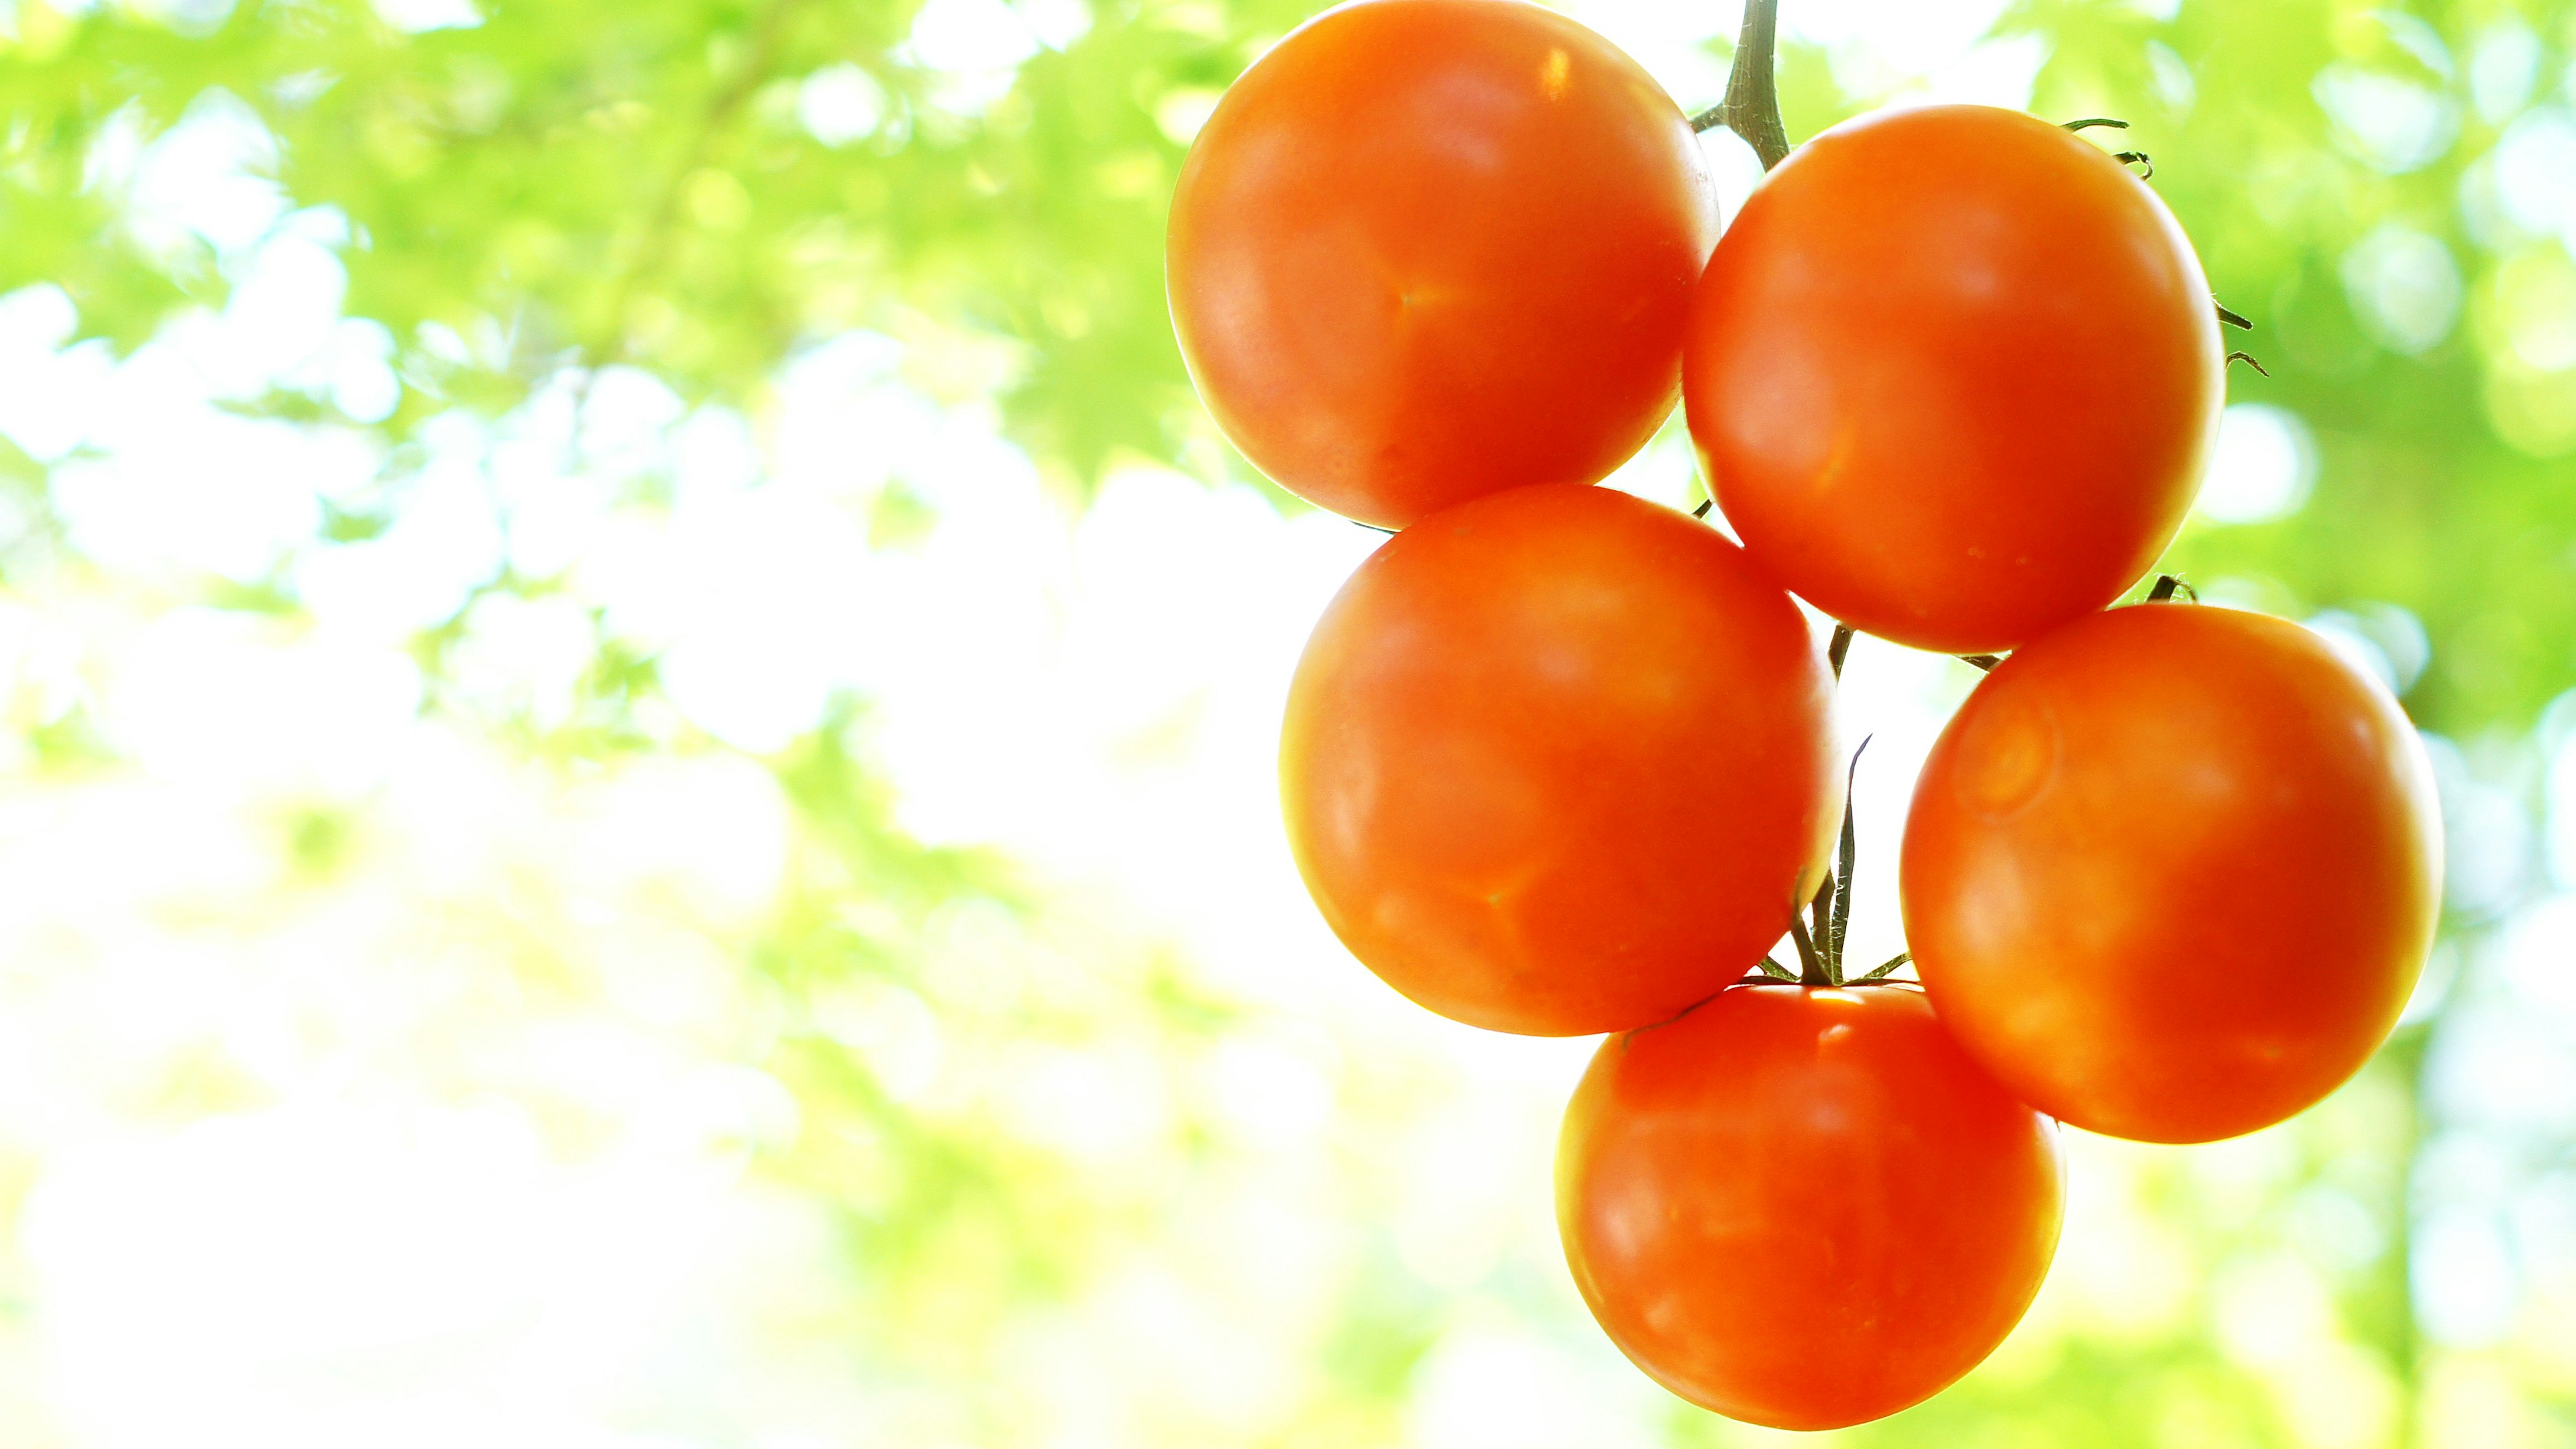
1429, 249
1804, 1208
1559, 761
2171, 871
1953, 373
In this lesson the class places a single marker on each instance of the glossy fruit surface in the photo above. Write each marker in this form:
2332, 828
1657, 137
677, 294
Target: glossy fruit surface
1558, 760
2171, 871
1804, 1208
1429, 249
1954, 372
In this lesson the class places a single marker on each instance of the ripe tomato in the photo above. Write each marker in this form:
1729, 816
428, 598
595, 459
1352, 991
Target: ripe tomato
1804, 1208
2171, 871
1953, 373
1559, 761
1429, 249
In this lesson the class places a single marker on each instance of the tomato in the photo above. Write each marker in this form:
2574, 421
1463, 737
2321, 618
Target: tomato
1804, 1209
1954, 373
2171, 871
1430, 249
1559, 761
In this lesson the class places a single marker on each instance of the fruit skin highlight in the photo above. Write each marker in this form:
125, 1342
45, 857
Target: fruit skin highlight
1426, 250
1804, 1208
1559, 761
2171, 872
1954, 374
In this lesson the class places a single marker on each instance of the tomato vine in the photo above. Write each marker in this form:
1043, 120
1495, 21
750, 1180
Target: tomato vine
1557, 760
1751, 108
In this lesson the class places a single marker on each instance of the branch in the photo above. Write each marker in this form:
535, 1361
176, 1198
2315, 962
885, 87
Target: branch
1752, 105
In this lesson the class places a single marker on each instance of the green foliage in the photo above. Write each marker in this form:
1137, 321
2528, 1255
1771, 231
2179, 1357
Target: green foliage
593, 182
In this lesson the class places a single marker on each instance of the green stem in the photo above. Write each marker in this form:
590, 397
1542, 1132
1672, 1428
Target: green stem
1752, 105
1811, 966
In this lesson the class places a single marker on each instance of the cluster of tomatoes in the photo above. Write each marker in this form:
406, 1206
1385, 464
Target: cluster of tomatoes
1559, 760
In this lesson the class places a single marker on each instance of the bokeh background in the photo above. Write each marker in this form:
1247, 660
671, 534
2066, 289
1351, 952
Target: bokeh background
636, 723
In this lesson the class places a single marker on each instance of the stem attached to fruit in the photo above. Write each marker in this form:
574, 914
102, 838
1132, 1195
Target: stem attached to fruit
1752, 110
1752, 105
1811, 966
